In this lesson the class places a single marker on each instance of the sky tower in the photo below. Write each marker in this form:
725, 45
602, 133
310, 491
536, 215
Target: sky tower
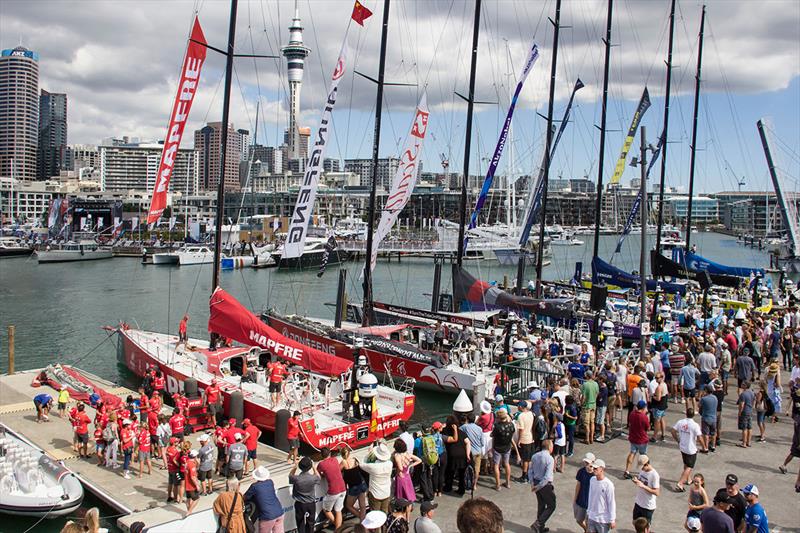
295, 53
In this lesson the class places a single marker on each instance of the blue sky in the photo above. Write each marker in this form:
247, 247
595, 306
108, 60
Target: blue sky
118, 62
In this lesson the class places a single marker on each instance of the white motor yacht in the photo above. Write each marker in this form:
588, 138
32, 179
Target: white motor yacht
73, 251
14, 247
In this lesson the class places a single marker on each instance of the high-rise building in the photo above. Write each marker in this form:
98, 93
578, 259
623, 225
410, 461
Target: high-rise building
52, 152
19, 112
135, 166
207, 142
295, 53
363, 167
84, 159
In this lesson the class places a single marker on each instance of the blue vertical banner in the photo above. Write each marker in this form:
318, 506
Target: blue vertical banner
501, 142
535, 196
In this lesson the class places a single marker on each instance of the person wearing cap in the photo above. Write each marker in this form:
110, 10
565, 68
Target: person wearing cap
580, 500
535, 397
262, 494
708, 419
205, 466
648, 484
602, 511
693, 524
424, 522
438, 469
715, 519
293, 436
540, 476
502, 444
175, 480
737, 500
524, 425
304, 488
236, 457
380, 477
755, 518
191, 482
251, 435
686, 432
398, 521
638, 426
374, 521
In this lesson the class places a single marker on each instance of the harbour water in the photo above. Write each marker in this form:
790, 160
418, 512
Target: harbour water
59, 309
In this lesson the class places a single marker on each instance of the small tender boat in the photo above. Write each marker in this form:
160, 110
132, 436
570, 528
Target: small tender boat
13, 247
33, 484
74, 251
194, 255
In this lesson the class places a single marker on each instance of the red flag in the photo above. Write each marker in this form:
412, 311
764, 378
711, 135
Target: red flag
190, 76
360, 13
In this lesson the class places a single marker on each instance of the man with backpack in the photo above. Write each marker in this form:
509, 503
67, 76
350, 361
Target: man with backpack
475, 435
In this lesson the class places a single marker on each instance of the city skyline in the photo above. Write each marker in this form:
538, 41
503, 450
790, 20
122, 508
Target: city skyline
735, 91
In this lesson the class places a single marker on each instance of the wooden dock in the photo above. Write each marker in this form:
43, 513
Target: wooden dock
137, 499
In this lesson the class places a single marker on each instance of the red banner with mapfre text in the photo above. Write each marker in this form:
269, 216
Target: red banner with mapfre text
231, 319
190, 77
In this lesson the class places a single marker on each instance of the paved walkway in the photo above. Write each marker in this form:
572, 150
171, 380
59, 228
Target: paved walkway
758, 464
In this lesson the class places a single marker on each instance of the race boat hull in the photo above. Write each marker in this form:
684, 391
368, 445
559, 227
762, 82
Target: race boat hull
137, 356
426, 375
311, 259
67, 256
167, 258
15, 252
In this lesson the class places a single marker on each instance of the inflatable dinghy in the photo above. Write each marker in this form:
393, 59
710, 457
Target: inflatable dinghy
33, 484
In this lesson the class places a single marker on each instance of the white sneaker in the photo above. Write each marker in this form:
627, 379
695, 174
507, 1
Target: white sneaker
127, 475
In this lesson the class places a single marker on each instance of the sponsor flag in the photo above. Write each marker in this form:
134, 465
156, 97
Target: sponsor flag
134, 223
172, 221
644, 105
301, 214
360, 13
187, 87
373, 424
638, 202
329, 247
405, 178
53, 215
533, 55
117, 227
100, 223
535, 196
84, 223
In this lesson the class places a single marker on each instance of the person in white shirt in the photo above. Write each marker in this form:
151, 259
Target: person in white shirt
380, 477
686, 432
648, 484
602, 510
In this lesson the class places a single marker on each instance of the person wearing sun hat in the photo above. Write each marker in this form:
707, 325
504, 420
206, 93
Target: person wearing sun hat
774, 389
262, 494
374, 520
380, 477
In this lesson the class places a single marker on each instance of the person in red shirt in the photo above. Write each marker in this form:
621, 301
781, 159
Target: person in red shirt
73, 412
152, 429
191, 482
181, 402
183, 336
333, 501
638, 426
293, 435
143, 438
127, 437
177, 423
159, 383
213, 402
276, 371
156, 402
81, 423
231, 431
144, 405
252, 433
221, 440
173, 454
99, 442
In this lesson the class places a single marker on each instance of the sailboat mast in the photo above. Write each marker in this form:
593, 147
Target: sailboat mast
548, 144
599, 200
367, 315
226, 104
476, 25
598, 205
783, 205
666, 125
694, 130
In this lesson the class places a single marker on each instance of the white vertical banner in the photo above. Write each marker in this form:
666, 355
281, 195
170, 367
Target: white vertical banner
405, 178
301, 214
134, 223
172, 221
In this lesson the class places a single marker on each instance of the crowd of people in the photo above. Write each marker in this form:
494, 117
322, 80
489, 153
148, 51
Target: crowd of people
695, 374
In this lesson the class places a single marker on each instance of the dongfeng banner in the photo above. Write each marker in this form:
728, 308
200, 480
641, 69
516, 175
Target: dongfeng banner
190, 76
405, 178
298, 224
